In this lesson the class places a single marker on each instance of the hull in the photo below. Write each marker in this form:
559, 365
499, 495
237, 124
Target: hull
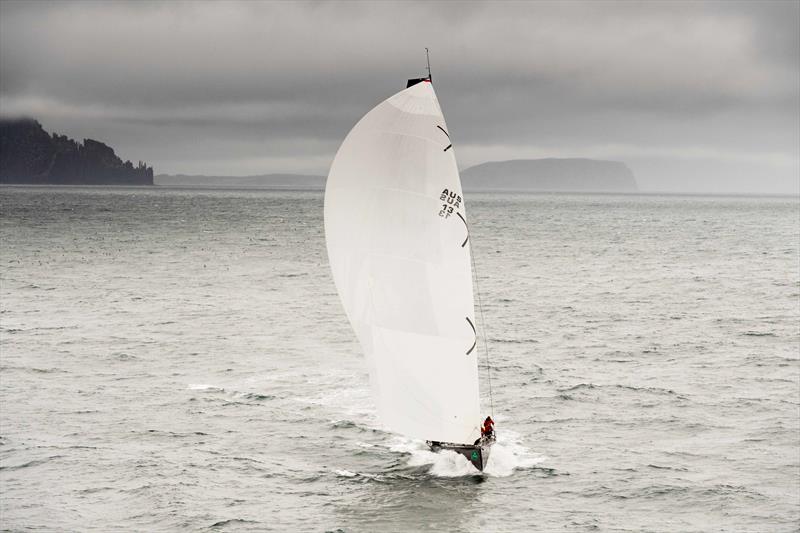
477, 454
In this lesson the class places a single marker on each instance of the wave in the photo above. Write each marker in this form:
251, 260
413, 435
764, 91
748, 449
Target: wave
632, 388
233, 393
232, 522
203, 386
343, 424
33, 462
257, 397
662, 467
513, 341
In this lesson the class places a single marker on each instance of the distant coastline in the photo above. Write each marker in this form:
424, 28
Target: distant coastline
551, 175
259, 181
29, 155
526, 175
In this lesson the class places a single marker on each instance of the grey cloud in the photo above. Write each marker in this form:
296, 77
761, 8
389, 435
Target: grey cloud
273, 87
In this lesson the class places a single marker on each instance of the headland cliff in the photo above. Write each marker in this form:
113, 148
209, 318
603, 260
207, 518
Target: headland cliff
30, 155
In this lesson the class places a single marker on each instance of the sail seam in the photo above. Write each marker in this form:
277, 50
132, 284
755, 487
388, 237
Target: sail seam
410, 135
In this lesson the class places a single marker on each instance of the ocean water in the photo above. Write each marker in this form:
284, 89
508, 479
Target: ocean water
179, 360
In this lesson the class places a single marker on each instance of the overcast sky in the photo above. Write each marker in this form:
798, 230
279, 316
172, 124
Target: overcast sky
701, 97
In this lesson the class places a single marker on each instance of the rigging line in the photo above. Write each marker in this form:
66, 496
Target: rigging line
485, 337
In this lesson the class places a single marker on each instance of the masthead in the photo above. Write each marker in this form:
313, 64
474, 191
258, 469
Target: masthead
428, 59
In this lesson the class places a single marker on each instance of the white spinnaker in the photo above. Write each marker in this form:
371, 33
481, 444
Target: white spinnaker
396, 231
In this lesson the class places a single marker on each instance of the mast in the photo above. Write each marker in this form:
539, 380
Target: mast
428, 59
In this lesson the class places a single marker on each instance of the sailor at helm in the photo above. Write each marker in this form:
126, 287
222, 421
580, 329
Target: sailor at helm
488, 427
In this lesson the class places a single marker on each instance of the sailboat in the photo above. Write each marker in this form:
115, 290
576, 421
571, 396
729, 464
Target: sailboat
399, 248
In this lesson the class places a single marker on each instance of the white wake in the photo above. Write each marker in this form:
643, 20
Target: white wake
508, 455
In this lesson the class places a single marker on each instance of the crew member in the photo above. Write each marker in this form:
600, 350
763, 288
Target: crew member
488, 427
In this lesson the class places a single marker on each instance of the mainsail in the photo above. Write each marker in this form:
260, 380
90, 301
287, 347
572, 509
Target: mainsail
398, 245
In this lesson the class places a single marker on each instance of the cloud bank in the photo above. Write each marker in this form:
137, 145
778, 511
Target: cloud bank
701, 97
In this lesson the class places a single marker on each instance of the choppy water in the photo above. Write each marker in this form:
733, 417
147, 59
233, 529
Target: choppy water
178, 359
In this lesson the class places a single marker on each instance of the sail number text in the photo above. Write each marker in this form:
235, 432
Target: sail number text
451, 200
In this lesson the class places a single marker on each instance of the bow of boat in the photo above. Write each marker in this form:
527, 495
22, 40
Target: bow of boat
477, 453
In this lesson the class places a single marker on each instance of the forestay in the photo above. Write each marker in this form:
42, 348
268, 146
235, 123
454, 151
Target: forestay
398, 245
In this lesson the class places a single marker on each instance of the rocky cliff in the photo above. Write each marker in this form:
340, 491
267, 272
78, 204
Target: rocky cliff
567, 175
29, 155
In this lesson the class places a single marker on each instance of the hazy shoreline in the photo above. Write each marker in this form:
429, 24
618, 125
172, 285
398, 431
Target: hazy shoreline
277, 188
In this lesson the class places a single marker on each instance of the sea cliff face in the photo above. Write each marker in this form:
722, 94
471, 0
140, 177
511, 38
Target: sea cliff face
565, 175
29, 155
